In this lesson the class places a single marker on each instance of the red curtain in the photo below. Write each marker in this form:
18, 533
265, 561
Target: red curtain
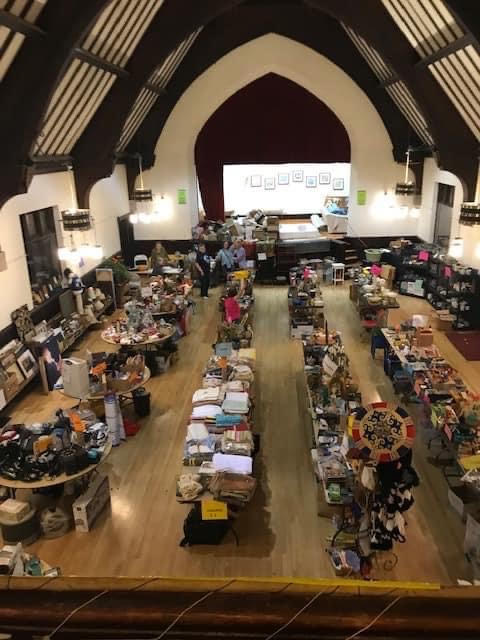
271, 120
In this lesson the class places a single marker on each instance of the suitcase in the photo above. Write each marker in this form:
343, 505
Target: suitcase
198, 531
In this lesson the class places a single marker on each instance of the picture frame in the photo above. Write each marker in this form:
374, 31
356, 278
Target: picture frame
324, 178
256, 180
269, 183
27, 363
23, 323
14, 369
338, 184
283, 178
311, 182
297, 175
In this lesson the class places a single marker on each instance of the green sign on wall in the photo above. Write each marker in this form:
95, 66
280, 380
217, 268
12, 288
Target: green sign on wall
362, 197
182, 196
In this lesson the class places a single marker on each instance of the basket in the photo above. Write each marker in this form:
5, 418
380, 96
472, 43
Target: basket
373, 255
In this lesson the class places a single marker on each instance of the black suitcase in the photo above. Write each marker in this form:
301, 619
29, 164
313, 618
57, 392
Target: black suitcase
198, 531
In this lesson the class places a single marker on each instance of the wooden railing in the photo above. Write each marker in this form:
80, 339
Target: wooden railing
144, 608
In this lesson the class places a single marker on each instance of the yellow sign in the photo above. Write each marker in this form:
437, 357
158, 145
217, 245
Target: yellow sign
214, 510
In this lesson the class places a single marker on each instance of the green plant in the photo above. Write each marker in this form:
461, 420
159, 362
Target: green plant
120, 271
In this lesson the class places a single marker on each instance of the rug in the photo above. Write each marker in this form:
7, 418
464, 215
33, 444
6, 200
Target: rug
466, 342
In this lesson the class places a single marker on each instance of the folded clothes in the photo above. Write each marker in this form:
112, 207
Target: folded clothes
205, 411
237, 385
232, 487
237, 442
236, 402
241, 372
232, 463
196, 431
188, 486
222, 420
212, 395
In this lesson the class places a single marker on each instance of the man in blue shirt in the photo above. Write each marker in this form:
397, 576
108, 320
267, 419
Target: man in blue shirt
203, 267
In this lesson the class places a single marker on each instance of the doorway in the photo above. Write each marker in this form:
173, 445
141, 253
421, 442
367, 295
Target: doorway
443, 215
127, 239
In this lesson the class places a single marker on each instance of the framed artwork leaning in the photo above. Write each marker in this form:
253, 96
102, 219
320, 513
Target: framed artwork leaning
338, 184
283, 178
311, 182
256, 180
269, 183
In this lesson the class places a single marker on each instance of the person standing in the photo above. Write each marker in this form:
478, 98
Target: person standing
225, 259
158, 258
240, 255
203, 267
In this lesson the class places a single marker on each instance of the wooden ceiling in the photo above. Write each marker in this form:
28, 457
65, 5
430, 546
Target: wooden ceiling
90, 83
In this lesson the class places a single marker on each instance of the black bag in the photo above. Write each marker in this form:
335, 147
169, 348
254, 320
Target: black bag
198, 531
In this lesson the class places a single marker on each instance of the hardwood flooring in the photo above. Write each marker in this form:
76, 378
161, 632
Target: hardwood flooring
280, 533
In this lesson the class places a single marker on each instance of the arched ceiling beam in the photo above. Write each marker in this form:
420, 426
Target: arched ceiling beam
30, 81
320, 32
456, 146
94, 153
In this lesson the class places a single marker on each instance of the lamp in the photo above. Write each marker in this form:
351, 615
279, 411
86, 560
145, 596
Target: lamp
455, 248
75, 219
141, 195
406, 188
415, 212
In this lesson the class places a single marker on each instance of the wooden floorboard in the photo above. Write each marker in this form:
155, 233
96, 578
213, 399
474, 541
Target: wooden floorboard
280, 533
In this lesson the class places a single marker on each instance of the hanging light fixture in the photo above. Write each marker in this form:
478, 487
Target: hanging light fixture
142, 198
75, 219
455, 248
406, 188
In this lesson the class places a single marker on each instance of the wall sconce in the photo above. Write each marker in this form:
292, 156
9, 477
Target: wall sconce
415, 212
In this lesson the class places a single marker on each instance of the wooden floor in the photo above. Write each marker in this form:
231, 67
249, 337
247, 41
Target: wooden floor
280, 533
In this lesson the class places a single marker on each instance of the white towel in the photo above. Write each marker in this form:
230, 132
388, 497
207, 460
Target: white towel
233, 464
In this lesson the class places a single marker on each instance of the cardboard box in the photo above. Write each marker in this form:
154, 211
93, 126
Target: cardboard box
12, 511
424, 337
90, 504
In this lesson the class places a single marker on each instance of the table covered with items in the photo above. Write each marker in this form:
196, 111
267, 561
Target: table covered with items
372, 297
362, 460
305, 302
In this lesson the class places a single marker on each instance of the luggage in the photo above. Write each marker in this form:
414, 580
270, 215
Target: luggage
198, 531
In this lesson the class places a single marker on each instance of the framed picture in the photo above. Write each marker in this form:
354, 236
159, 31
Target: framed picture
27, 363
323, 178
23, 323
283, 178
337, 184
311, 181
15, 370
256, 181
269, 183
297, 176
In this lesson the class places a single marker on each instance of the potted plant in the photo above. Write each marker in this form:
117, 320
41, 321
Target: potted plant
121, 278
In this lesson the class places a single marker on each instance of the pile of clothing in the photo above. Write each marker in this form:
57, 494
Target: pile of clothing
236, 402
199, 445
233, 487
238, 440
395, 481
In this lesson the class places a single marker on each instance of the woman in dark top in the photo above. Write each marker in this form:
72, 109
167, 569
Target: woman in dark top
203, 267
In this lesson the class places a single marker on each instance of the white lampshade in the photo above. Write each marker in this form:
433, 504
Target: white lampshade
415, 212
133, 218
456, 248
96, 252
146, 218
